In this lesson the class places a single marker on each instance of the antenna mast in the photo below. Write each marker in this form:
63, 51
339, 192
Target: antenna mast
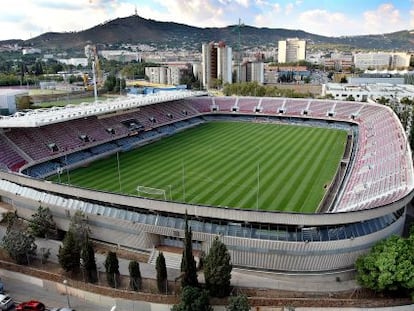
239, 58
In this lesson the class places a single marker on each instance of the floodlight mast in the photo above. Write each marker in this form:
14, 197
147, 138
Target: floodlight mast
95, 88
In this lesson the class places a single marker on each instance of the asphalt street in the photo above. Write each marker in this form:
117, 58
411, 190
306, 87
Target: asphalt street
21, 291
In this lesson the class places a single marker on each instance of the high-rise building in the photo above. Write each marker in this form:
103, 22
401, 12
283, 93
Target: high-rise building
382, 60
252, 71
169, 75
291, 50
216, 63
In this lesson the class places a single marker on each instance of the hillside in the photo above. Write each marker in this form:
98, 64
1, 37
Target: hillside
137, 30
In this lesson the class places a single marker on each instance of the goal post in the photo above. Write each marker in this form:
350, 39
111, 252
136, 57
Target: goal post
154, 193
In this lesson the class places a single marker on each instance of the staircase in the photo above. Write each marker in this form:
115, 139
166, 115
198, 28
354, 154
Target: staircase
172, 260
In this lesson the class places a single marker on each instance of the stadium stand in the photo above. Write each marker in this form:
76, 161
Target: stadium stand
248, 104
320, 108
226, 104
9, 157
378, 174
374, 188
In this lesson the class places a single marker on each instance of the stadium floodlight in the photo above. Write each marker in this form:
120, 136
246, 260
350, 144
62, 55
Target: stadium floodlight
258, 186
151, 192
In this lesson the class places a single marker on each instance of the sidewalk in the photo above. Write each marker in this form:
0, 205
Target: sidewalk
240, 278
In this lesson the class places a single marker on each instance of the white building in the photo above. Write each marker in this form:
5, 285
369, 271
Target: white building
291, 50
368, 92
382, 60
121, 55
216, 63
74, 61
8, 104
170, 75
27, 51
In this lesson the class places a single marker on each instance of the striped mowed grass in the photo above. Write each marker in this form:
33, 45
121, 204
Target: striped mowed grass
230, 164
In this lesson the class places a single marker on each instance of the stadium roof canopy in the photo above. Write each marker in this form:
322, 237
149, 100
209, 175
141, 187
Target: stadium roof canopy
40, 117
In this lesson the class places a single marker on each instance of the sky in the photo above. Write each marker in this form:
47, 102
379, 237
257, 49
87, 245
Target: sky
25, 19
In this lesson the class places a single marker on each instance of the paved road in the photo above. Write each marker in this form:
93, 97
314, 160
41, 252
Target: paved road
21, 291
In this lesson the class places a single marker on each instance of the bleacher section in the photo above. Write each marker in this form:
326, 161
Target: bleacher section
9, 157
379, 174
248, 104
88, 132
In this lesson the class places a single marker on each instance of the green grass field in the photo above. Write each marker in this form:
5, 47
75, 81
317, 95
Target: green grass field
68, 101
234, 164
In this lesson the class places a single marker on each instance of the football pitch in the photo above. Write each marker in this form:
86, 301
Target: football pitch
230, 164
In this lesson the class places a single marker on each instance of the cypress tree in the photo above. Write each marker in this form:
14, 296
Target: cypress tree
135, 279
112, 269
69, 253
88, 261
161, 268
188, 264
217, 269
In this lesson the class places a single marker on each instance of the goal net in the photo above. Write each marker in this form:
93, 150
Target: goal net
154, 193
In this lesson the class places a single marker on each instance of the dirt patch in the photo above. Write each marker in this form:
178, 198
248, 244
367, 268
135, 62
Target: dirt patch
102, 248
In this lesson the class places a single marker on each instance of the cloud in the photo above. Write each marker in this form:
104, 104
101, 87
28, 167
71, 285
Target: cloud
412, 19
245, 3
25, 18
267, 17
202, 13
324, 22
289, 8
384, 18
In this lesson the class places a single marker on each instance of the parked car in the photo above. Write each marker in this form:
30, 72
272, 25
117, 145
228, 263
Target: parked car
32, 305
6, 302
62, 309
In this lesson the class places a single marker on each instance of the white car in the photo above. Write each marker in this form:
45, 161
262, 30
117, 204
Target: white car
62, 309
6, 302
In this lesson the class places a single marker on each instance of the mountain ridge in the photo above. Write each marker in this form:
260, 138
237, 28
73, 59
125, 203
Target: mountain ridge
137, 30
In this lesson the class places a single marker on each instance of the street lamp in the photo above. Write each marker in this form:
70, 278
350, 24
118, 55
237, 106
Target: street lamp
65, 282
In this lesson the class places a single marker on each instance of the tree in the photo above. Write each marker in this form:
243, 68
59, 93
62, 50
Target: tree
217, 270
193, 299
350, 98
161, 273
112, 269
238, 303
20, 245
382, 100
79, 227
135, 279
75, 237
110, 83
42, 224
188, 263
69, 253
88, 262
389, 266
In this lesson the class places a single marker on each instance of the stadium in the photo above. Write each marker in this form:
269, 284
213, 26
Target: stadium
268, 217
